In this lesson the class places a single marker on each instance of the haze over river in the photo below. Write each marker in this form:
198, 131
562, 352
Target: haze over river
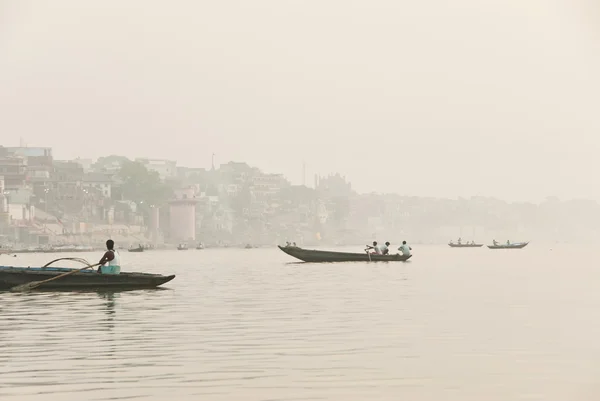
250, 325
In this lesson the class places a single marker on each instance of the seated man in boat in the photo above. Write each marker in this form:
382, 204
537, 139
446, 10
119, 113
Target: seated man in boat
385, 248
459, 241
495, 242
112, 258
405, 249
375, 248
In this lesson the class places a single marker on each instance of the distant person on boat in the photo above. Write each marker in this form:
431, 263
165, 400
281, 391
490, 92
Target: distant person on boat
375, 248
112, 258
405, 249
459, 241
507, 242
495, 242
384, 248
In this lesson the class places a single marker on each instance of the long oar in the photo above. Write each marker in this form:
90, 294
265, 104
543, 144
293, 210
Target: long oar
34, 284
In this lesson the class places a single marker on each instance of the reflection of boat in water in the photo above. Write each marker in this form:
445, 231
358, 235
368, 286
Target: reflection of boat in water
182, 247
14, 276
316, 256
516, 245
467, 245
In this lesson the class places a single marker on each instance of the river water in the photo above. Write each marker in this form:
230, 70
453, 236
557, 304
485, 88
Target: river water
250, 325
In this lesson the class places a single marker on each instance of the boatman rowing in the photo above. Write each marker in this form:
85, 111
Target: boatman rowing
111, 257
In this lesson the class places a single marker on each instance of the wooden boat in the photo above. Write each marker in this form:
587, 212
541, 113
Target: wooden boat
516, 245
13, 276
138, 249
182, 247
200, 246
465, 245
315, 256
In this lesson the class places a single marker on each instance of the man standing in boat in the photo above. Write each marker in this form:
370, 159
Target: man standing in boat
112, 258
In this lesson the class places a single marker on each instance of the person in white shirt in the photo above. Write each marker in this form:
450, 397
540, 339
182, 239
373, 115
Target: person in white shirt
384, 248
375, 248
405, 249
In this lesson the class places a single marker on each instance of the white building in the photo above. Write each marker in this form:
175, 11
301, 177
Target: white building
164, 168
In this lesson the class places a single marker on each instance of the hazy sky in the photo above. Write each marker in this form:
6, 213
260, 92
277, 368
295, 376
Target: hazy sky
429, 97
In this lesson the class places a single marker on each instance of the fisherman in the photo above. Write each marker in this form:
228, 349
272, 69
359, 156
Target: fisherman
384, 248
495, 242
507, 242
112, 258
459, 240
405, 249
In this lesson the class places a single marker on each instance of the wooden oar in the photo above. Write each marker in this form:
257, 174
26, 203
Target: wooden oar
34, 284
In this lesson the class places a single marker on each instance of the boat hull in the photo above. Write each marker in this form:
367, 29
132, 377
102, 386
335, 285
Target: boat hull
315, 256
87, 279
137, 250
465, 245
511, 246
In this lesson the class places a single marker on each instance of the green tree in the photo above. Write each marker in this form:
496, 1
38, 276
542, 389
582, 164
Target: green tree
143, 186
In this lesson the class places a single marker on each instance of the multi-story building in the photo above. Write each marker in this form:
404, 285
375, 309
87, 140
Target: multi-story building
14, 170
265, 185
165, 168
99, 181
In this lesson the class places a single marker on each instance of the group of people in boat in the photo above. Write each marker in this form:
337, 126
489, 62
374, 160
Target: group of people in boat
459, 242
496, 243
384, 249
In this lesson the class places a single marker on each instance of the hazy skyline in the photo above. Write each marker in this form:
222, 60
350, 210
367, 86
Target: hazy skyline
495, 98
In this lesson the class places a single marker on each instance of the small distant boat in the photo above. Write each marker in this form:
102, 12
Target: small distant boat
516, 245
248, 246
182, 247
452, 245
138, 249
200, 246
14, 276
315, 256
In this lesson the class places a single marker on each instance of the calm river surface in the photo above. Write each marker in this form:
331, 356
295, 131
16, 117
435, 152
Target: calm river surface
248, 325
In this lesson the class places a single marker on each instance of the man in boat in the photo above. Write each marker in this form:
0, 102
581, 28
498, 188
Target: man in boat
112, 258
459, 241
375, 248
405, 249
495, 242
384, 248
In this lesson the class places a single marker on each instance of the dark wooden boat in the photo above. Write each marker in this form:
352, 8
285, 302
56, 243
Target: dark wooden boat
315, 256
182, 247
517, 245
465, 245
86, 279
138, 249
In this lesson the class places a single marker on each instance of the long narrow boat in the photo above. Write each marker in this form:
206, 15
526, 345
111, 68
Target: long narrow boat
465, 245
138, 249
87, 279
517, 245
315, 256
